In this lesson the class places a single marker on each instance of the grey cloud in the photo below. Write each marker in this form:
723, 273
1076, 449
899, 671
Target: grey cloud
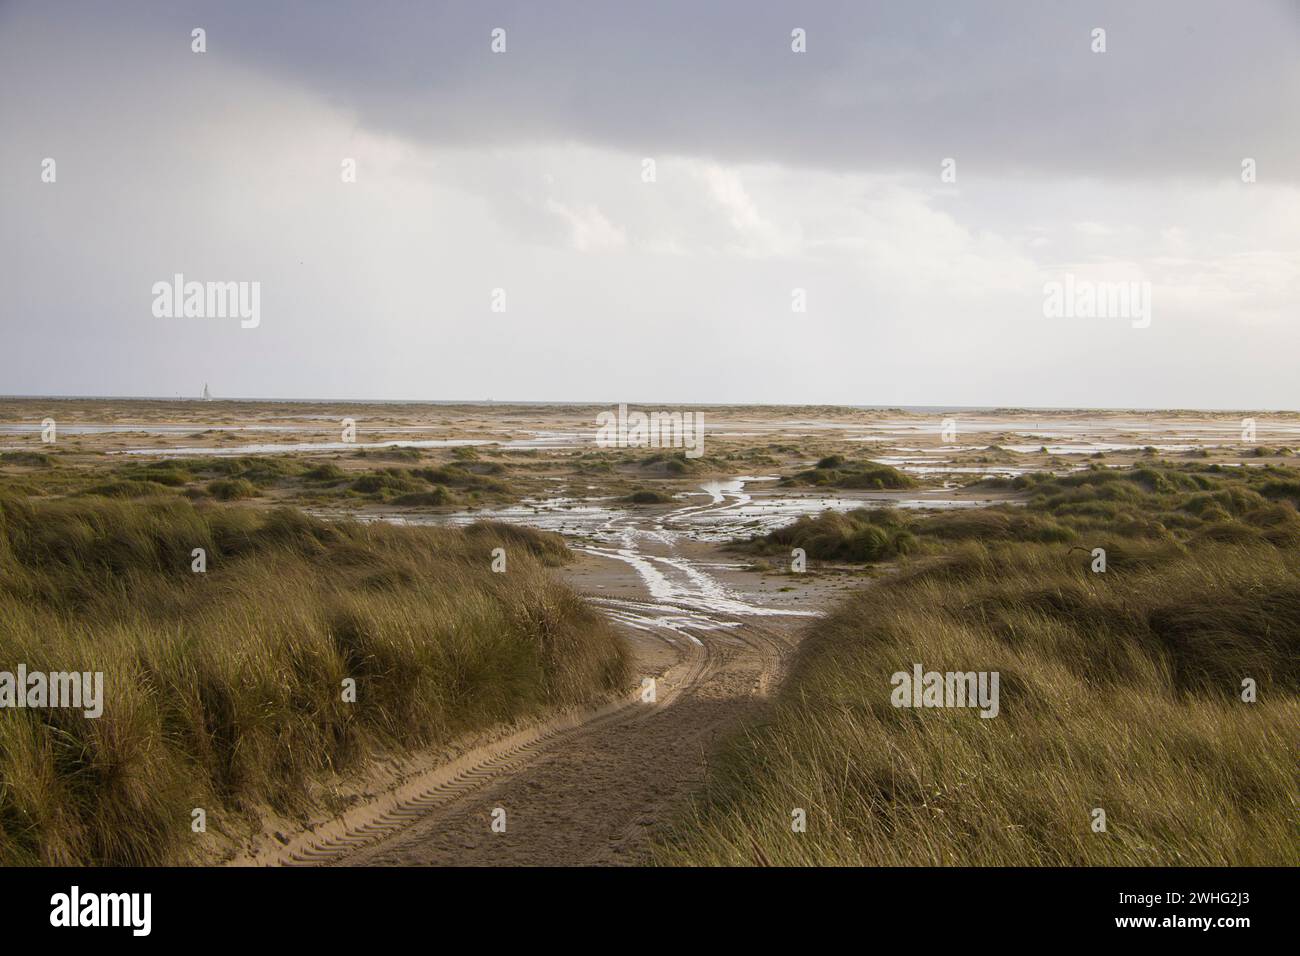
1186, 87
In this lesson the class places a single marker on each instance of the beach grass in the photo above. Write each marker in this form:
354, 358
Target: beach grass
1162, 692
225, 690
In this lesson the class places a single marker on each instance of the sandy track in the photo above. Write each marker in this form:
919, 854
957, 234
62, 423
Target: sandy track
584, 789
595, 797
589, 787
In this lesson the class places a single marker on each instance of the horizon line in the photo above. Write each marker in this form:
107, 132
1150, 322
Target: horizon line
602, 403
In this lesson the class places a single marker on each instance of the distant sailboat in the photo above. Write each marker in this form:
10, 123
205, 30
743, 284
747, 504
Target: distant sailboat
207, 396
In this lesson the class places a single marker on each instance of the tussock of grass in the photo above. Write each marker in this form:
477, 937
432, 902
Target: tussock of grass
472, 478
232, 489
865, 534
546, 547
436, 498
993, 524
671, 464
397, 453
411, 486
1118, 691
224, 690
127, 488
171, 477
1288, 489
325, 473
835, 472
261, 470
30, 459
646, 496
387, 481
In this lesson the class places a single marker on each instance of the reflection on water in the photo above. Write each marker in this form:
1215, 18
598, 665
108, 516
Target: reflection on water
684, 595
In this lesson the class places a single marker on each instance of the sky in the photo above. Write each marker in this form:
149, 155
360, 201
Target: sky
656, 202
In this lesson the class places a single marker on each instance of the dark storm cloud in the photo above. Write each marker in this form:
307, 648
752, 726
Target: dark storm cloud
1185, 87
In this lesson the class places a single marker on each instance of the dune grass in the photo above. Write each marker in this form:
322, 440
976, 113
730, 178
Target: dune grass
1120, 691
224, 690
232, 489
648, 496
1091, 507
865, 534
282, 480
835, 471
29, 459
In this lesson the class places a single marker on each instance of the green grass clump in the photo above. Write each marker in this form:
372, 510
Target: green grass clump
993, 524
262, 470
324, 473
386, 482
865, 534
224, 690
173, 474
437, 497
1282, 488
232, 489
835, 472
462, 478
127, 488
672, 464
397, 453
171, 477
646, 496
593, 463
30, 459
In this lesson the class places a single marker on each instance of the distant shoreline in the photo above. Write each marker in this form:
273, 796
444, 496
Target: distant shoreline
598, 403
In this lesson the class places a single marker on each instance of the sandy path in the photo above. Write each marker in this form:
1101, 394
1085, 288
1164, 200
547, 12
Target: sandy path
591, 796
589, 788
585, 788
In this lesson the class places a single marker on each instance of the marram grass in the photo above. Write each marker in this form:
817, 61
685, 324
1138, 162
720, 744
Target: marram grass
224, 690
1120, 691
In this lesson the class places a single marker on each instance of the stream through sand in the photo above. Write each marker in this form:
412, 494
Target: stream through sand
685, 581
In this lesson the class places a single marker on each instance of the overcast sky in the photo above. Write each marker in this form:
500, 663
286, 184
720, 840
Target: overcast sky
774, 170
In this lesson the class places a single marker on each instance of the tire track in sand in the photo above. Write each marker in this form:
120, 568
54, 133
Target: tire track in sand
586, 787
436, 790
596, 796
